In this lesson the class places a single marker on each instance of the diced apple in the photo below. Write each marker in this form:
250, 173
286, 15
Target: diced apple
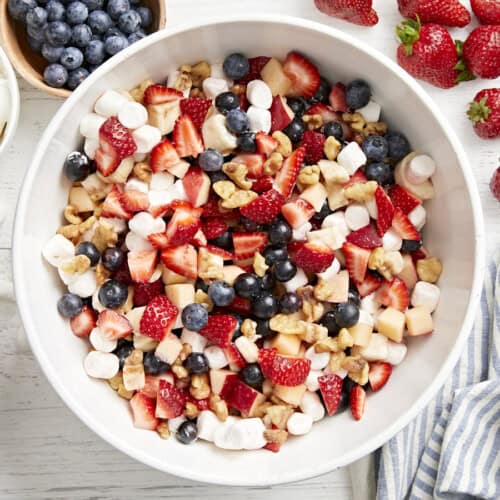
419, 321
331, 236
120, 175
332, 172
391, 323
231, 272
336, 197
196, 184
286, 344
210, 266
272, 73
221, 381
281, 114
180, 294
361, 333
134, 317
291, 395
81, 200
169, 348
164, 116
170, 277
179, 169
340, 284
409, 273
245, 399
376, 349
315, 195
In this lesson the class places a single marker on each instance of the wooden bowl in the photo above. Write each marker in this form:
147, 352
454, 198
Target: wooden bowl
29, 64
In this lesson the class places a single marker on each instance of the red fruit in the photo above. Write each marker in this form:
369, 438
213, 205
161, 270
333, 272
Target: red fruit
84, 322
283, 370
495, 184
262, 184
366, 237
354, 11
186, 137
402, 199
313, 142
112, 206
326, 112
158, 317
196, 108
487, 11
385, 211
182, 260
150, 388
481, 52
196, 184
236, 360
163, 156
484, 112
281, 114
170, 400
265, 143
123, 274
394, 294
142, 265
158, 240
144, 292
297, 212
113, 326
143, 412
287, 175
402, 225
199, 239
244, 398
379, 374
213, 227
253, 162
419, 254
428, 52
303, 74
248, 244
240, 306
313, 257
255, 67
447, 12
356, 261
220, 329
330, 386
184, 224
211, 207
337, 98
215, 250
369, 284
265, 208
159, 94
134, 201
357, 401
358, 176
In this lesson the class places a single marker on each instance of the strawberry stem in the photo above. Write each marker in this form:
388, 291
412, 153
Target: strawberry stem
409, 32
465, 75
478, 111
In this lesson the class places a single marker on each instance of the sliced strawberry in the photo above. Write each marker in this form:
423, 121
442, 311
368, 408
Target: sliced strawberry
313, 257
330, 386
265, 208
213, 227
326, 112
402, 199
283, 370
385, 211
288, 173
134, 201
113, 326
142, 265
240, 306
394, 294
158, 240
170, 400
196, 108
356, 261
255, 67
152, 383
123, 273
254, 163
159, 94
211, 207
371, 283
106, 159
402, 225
158, 317
303, 74
297, 212
248, 244
337, 98
215, 250
196, 184
357, 401
220, 329
262, 184
112, 206
143, 412
84, 322
144, 292
281, 114
265, 143
163, 156
233, 355
182, 260
199, 239
379, 374
358, 176
366, 237
187, 139
184, 224
160, 210
313, 142
244, 398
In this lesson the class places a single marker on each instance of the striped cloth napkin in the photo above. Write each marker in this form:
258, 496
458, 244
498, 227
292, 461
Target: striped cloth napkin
452, 449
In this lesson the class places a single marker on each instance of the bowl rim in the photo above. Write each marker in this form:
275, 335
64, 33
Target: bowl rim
15, 104
316, 469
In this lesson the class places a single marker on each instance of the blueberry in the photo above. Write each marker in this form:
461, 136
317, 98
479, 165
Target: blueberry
154, 365
237, 333
375, 147
71, 58
236, 66
76, 166
99, 22
89, 250
333, 129
295, 130
135, 37
201, 285
196, 363
113, 31
237, 121
50, 53
69, 305
246, 142
250, 225
252, 375
37, 17
324, 212
280, 232
265, 306
123, 351
18, 9
187, 432
210, 160
93, 4
194, 317
357, 94
35, 44
129, 22
226, 101
290, 302
37, 33
398, 144
323, 92
94, 52
221, 293
379, 172
115, 44
267, 282
284, 270
76, 13
410, 246
113, 258
55, 11
57, 33
225, 240
247, 285
297, 105
116, 8
353, 296
113, 294
274, 254
146, 16
55, 75
81, 35
346, 314
328, 320
217, 176
263, 328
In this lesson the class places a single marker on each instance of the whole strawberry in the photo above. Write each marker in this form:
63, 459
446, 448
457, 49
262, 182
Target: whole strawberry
354, 11
481, 52
428, 52
484, 112
495, 184
487, 11
447, 12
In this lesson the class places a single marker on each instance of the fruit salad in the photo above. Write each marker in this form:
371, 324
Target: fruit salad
243, 249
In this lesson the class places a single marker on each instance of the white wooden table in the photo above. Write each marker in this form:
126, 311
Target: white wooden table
45, 451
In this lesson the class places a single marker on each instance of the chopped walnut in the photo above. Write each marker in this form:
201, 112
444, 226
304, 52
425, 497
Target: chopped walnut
137, 93
129, 303
309, 175
184, 80
200, 72
357, 369
77, 265
238, 172
261, 410
312, 309
361, 191
179, 371
238, 199
276, 436
273, 163
219, 407
313, 332
71, 215
336, 361
287, 323
104, 236
375, 128
197, 92
313, 122
279, 414
285, 144
191, 410
330, 344
133, 371
163, 430
323, 290
259, 264
376, 258
249, 328
238, 89
388, 264
210, 266
87, 224
331, 148
200, 388
429, 269
70, 232
201, 297
225, 189
345, 339
355, 121
142, 171
115, 381
101, 274
123, 393
185, 352
98, 211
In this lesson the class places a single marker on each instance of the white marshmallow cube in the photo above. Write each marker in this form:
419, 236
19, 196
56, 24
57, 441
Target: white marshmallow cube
259, 119
136, 243
247, 348
425, 294
319, 360
228, 436
212, 87
102, 365
175, 423
418, 217
300, 279
145, 224
369, 304
396, 352
217, 71
57, 250
146, 138
161, 181
216, 357
356, 216
299, 424
101, 343
90, 147
134, 184
90, 125
371, 206
311, 382
207, 424
259, 94
420, 168
311, 405
331, 271
337, 220
300, 233
85, 285
391, 241
351, 157
133, 115
110, 103
194, 339
370, 112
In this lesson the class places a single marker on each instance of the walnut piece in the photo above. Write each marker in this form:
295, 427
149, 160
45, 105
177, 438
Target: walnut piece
388, 264
376, 258
225, 189
199, 72
273, 163
249, 328
238, 89
285, 144
163, 430
219, 407
238, 199
201, 297
331, 148
312, 309
238, 172
375, 128
345, 339
77, 265
276, 436
200, 388
259, 264
309, 175
355, 120
361, 191
313, 122
184, 80
104, 236
137, 93
287, 323
313, 332
101, 274
185, 352
191, 410
210, 266
357, 369
71, 215
323, 290
429, 269
330, 344
279, 414
179, 371
336, 361
142, 171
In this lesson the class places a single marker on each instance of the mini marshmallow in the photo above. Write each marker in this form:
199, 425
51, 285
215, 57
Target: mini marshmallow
299, 424
259, 94
420, 168
418, 217
136, 243
365, 318
228, 436
146, 138
110, 103
160, 198
300, 233
370, 112
319, 360
216, 357
100, 343
175, 423
371, 206
311, 382
351, 157
217, 71
101, 364
57, 250
134, 317
212, 87
253, 433
369, 304
259, 119
311, 405
391, 241
396, 353
119, 225
194, 339
144, 343
96, 303
300, 279
356, 216
425, 294
216, 135
161, 181
331, 271
247, 348
133, 115
337, 220
85, 285
145, 224
90, 125
90, 147
207, 424
177, 190
134, 184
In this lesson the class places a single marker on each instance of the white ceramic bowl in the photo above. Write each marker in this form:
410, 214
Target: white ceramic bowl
7, 71
454, 233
